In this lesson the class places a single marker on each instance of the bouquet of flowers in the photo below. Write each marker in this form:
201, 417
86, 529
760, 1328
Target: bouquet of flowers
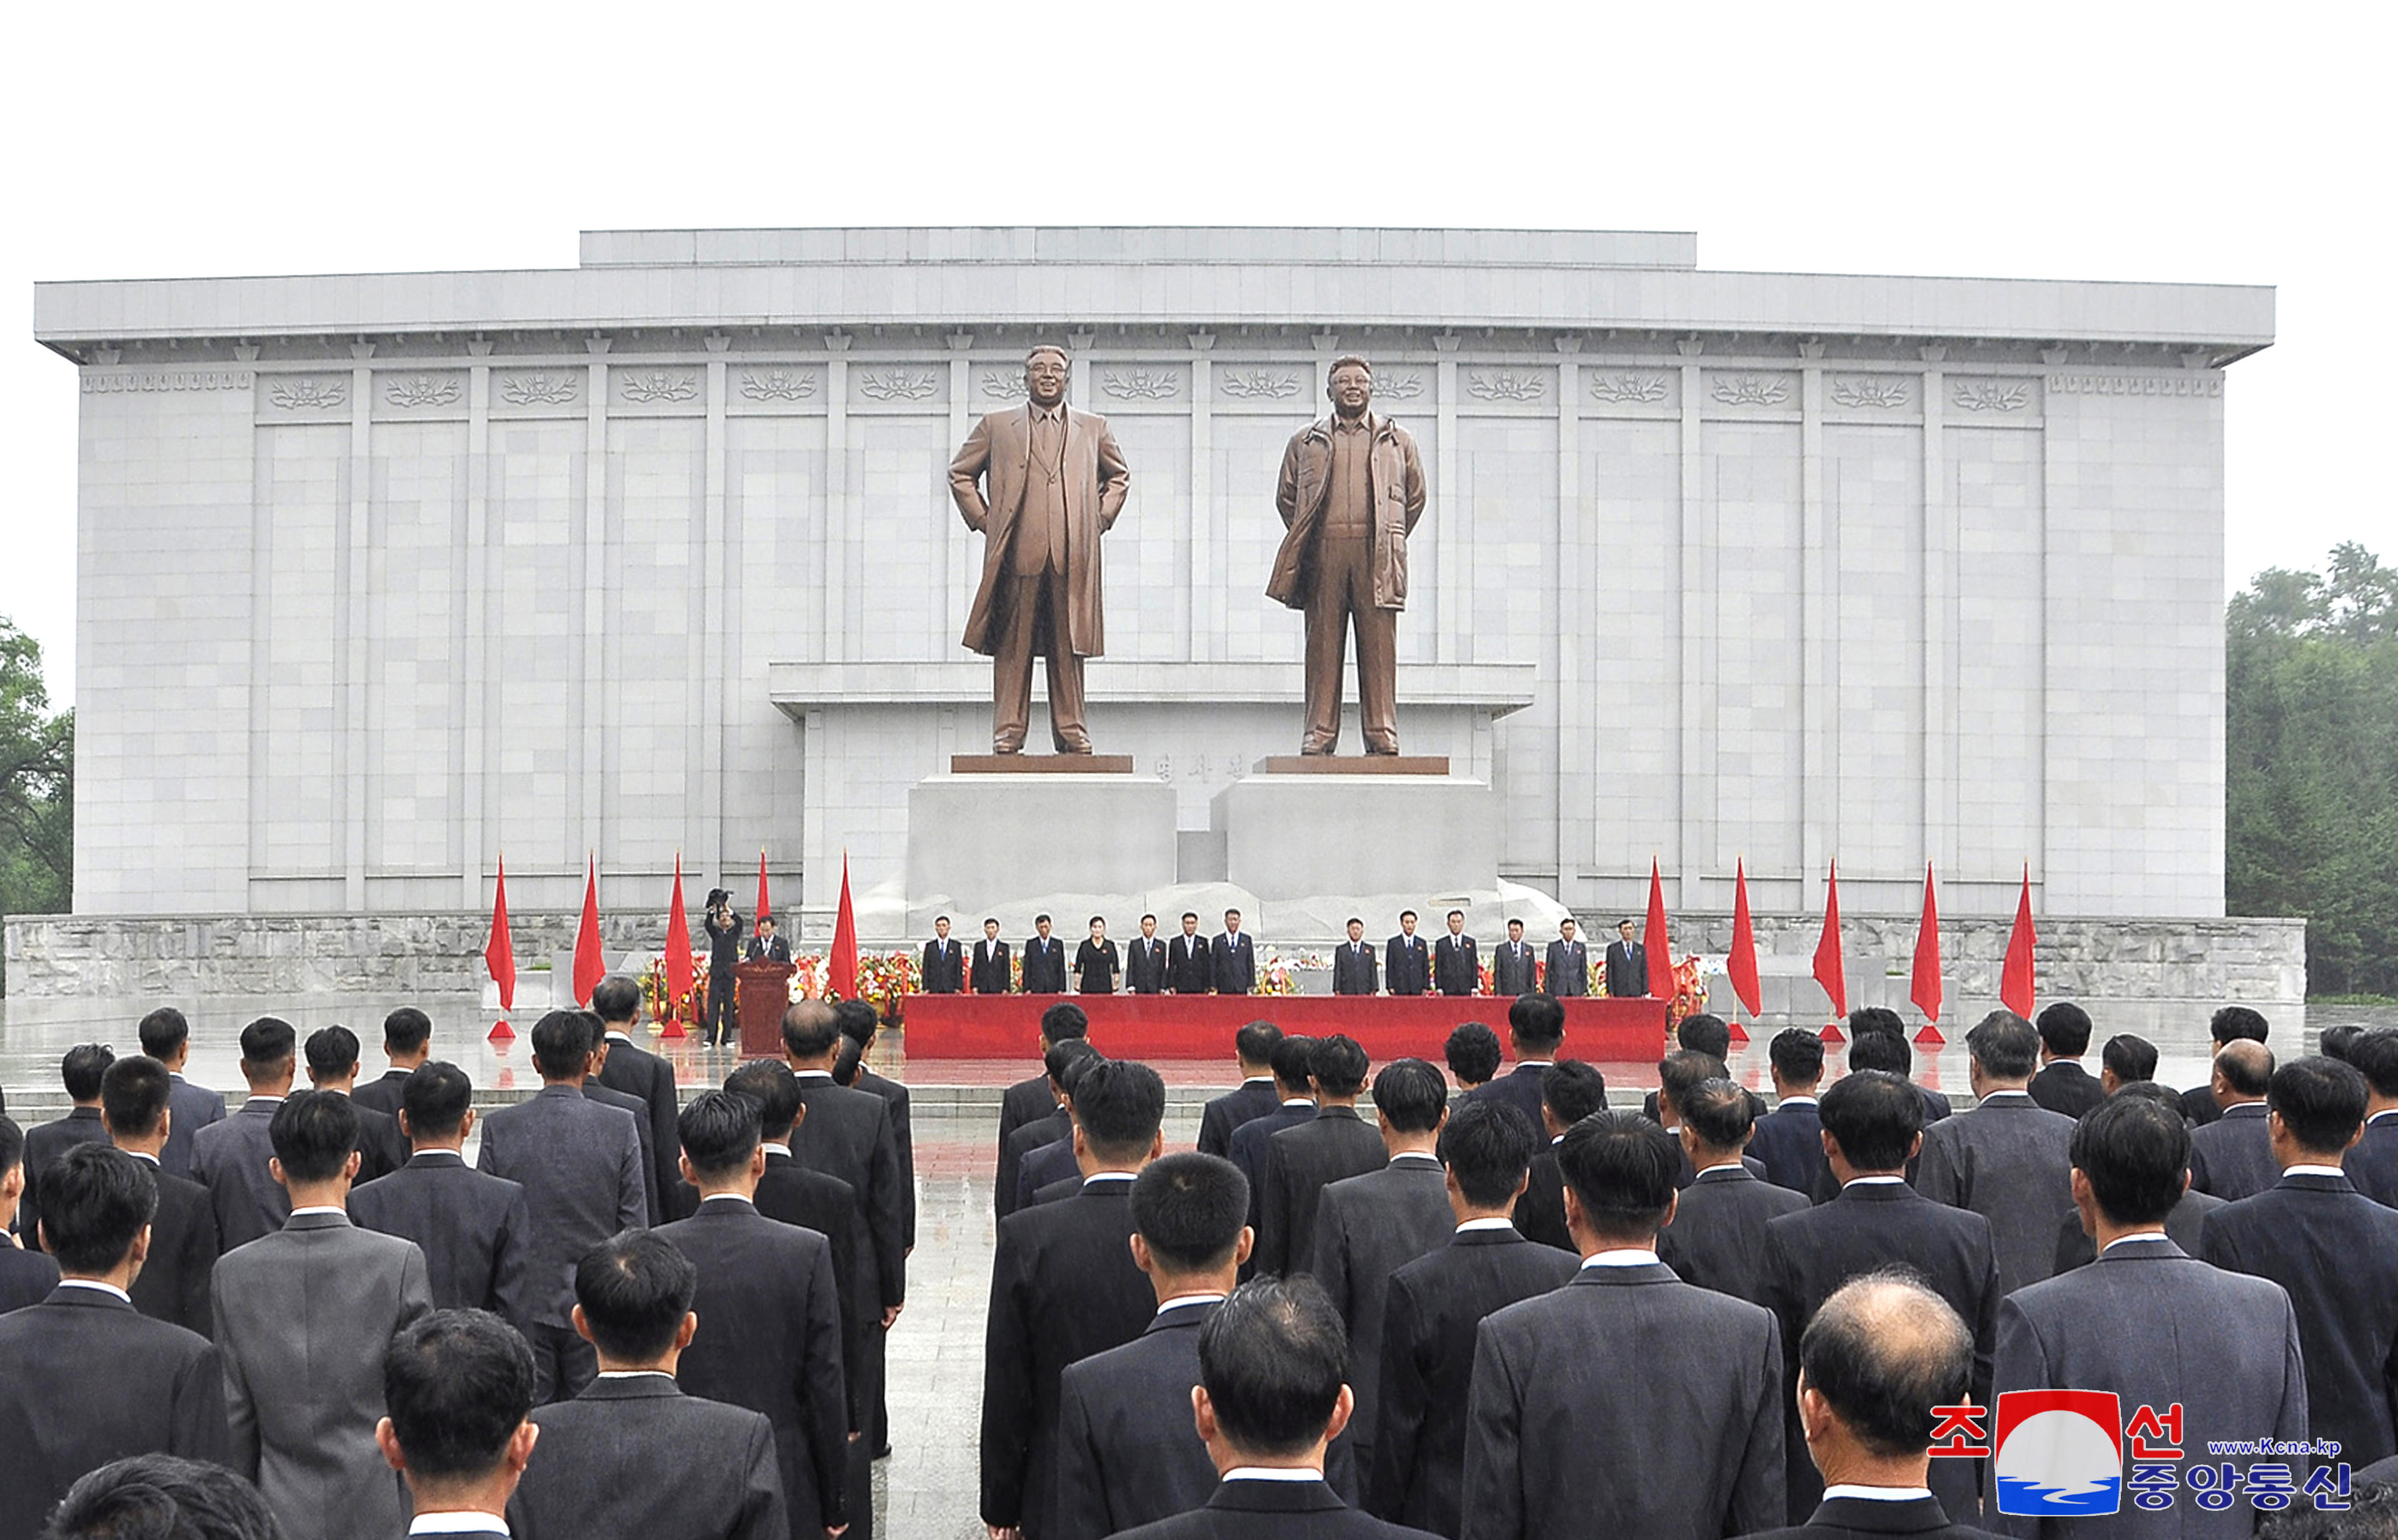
1690, 994
691, 1009
1275, 977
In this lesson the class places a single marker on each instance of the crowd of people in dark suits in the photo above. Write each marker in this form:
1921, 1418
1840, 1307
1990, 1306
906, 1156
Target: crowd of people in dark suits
1485, 1307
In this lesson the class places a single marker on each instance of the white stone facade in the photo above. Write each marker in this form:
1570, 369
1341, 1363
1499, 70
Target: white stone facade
384, 578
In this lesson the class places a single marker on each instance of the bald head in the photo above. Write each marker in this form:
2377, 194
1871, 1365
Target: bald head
2244, 1070
1881, 1353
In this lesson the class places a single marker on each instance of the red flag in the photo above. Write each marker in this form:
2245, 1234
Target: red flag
1742, 963
762, 910
841, 967
500, 957
679, 979
1654, 943
589, 968
2015, 982
1828, 971
1925, 992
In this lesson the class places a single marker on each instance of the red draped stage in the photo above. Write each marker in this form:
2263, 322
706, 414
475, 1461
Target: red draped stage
1201, 1026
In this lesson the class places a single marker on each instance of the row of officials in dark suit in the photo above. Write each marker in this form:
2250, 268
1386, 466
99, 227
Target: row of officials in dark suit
1226, 964
245, 1319
1666, 1323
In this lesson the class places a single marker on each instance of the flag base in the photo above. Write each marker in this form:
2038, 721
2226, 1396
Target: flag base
1830, 1032
1930, 1037
500, 1033
673, 1029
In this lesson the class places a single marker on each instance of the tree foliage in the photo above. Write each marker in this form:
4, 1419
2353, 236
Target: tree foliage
2311, 763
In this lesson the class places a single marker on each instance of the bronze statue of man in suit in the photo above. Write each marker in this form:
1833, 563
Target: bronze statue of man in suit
1352, 488
1055, 483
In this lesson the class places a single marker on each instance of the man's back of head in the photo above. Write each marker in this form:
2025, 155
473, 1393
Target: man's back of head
2004, 1047
1619, 1171
1797, 1054
163, 1033
2374, 1054
1253, 1046
1718, 1113
1537, 1024
1487, 1146
811, 1032
333, 1054
1885, 1051
1875, 1118
80, 1070
95, 1202
1063, 1020
1119, 1106
315, 1136
1880, 1353
719, 1132
561, 1048
771, 1084
457, 1389
1290, 1059
1571, 1090
616, 1000
1410, 1094
2244, 1070
632, 1295
2134, 1153
2129, 1058
163, 1497
2321, 1103
407, 1033
268, 1052
2064, 1030
435, 1100
1190, 1210
2237, 1023
1337, 1066
1677, 1073
133, 1095
1472, 1054
1274, 1363
1703, 1031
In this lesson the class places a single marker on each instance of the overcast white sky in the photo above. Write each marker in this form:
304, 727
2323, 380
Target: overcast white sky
2096, 141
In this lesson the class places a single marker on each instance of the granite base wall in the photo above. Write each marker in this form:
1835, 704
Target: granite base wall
2256, 960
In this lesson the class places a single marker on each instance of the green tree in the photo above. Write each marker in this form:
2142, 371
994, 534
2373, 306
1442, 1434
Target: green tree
2311, 763
36, 785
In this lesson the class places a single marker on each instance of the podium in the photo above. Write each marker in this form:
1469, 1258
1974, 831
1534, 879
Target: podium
761, 993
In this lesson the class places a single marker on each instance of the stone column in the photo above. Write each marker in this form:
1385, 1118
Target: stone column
723, 596
840, 511
478, 689
585, 796
1939, 578
350, 640
1200, 639
1573, 742
1448, 619
1819, 641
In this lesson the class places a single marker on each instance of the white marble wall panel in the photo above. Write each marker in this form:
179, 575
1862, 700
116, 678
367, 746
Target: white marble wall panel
1631, 480
534, 692
1511, 521
415, 685
302, 480
654, 652
2001, 698
1750, 482
1872, 479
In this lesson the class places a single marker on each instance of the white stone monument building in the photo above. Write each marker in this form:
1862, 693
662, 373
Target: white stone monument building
385, 577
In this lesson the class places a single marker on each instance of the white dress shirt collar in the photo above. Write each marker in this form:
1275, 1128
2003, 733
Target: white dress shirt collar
322, 1209
2144, 1234
633, 1373
458, 1523
1274, 1473
109, 1288
2310, 1168
1494, 1223
1178, 1301
1876, 1494
1873, 1181
1624, 1256
728, 1197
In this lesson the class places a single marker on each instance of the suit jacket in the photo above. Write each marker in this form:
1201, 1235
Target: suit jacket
383, 1093
1047, 1174
1367, 1227
608, 1096
26, 1277
2233, 1157
1407, 965
86, 1379
1062, 1286
998, 454
1521, 1088
579, 1163
792, 1193
1356, 971
1554, 1447
2198, 1104
944, 969
991, 970
1190, 965
1145, 965
1433, 1308
473, 1229
635, 1071
2186, 1226
190, 1108
595, 1476
2006, 1161
1020, 1148
1232, 965
1567, 968
1273, 1510
1250, 1154
1628, 968
383, 1149
1541, 1213
1812, 1251
173, 1284
1456, 967
2336, 1253
230, 1157
1045, 966
903, 1143
302, 1316
1027, 1101
1127, 1453
765, 950
847, 1134
1859, 1518
1718, 1237
1300, 1162
1223, 1114
2372, 1162
2067, 1089
2156, 1326
1512, 970
1789, 1141
45, 1143
768, 1290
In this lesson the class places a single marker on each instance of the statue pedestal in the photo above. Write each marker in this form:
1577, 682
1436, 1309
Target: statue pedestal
1293, 835
977, 841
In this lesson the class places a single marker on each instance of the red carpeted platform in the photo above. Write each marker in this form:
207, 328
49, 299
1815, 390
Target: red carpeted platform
1201, 1026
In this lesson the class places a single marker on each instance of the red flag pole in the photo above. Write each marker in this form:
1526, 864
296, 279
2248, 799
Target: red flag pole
1829, 971
679, 974
500, 957
2015, 982
590, 966
1926, 989
762, 910
1742, 965
1653, 939
841, 967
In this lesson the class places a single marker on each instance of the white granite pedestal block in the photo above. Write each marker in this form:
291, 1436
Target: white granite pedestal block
1293, 836
979, 841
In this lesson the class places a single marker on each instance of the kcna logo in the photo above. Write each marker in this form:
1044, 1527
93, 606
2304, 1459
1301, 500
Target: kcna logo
2059, 1453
